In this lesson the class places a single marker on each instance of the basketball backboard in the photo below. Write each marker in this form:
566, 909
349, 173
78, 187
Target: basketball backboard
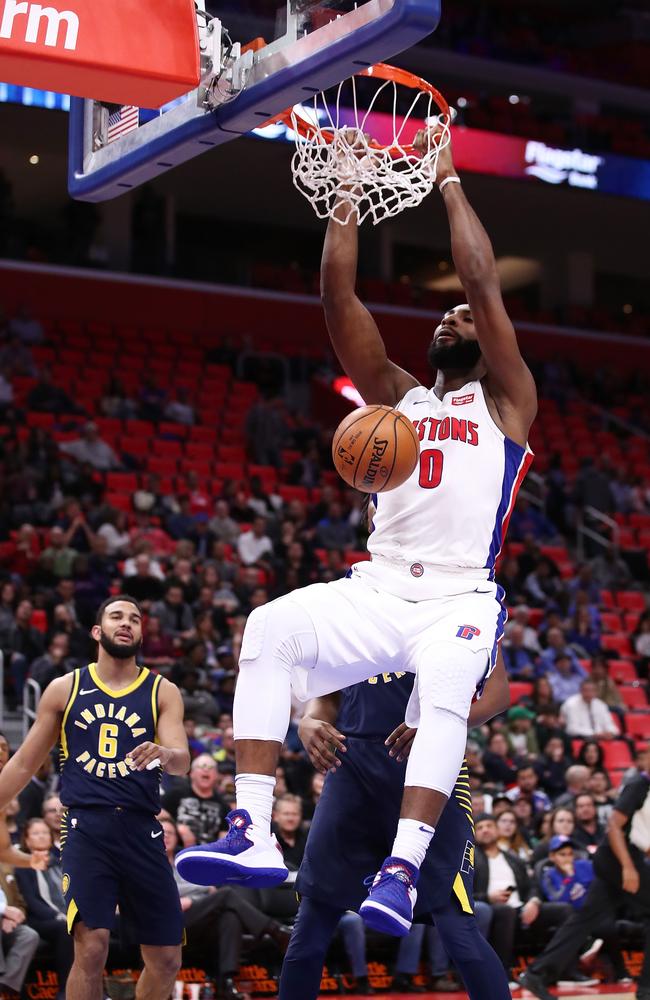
258, 57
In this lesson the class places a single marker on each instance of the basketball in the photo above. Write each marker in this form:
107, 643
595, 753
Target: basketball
375, 449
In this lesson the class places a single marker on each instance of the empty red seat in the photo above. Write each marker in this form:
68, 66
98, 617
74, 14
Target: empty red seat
162, 465
140, 428
631, 600
637, 724
616, 753
169, 429
289, 493
352, 556
45, 420
170, 449
203, 452
610, 621
234, 453
229, 470
196, 465
519, 690
622, 671
199, 433
634, 696
138, 447
39, 620
617, 643
120, 501
121, 482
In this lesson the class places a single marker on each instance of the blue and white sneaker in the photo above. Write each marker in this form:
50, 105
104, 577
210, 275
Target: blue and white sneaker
390, 902
245, 856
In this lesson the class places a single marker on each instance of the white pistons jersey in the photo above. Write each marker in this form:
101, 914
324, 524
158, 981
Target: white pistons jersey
452, 514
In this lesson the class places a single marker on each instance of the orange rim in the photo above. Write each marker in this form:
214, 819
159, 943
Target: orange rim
382, 71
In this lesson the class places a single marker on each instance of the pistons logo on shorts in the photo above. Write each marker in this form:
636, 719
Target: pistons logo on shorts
467, 631
417, 570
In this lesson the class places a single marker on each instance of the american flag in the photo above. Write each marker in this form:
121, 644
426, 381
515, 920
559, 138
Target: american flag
124, 120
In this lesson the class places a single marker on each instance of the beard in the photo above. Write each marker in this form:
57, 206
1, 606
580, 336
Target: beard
118, 650
460, 356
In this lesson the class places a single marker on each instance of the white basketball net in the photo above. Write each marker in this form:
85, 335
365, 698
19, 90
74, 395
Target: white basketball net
334, 166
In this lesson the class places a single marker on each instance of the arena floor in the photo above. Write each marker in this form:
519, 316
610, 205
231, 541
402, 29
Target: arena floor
605, 992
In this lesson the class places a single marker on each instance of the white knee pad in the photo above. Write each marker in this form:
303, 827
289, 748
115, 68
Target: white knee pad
447, 677
445, 684
278, 637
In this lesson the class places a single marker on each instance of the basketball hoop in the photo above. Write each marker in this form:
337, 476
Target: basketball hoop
368, 177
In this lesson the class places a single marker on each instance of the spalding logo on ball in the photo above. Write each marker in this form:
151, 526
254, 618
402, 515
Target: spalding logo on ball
375, 448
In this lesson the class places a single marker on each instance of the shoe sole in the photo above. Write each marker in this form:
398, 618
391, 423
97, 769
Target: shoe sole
382, 918
539, 992
207, 868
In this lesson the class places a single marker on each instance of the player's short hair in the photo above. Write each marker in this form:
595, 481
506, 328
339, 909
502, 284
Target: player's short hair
113, 600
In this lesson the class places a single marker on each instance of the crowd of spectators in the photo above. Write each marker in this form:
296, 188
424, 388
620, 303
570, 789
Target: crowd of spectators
198, 563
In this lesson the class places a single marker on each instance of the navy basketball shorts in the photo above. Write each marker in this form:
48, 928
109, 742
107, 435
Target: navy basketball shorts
116, 857
353, 830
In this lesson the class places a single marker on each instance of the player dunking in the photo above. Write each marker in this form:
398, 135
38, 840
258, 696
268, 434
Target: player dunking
427, 601
117, 725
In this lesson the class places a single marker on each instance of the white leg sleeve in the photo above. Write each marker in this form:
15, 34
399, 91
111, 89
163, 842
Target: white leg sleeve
446, 680
278, 637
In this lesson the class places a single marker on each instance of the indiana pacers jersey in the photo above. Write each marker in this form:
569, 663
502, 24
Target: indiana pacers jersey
453, 512
100, 728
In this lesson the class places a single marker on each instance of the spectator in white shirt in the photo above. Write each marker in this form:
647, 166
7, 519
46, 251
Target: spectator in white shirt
90, 449
253, 545
585, 715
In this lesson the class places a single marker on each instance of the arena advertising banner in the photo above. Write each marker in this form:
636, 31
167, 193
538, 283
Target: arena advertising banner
483, 152
475, 150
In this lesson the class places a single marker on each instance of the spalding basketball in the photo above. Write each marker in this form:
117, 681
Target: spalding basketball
375, 448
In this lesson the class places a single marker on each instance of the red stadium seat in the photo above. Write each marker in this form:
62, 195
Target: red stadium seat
607, 599
634, 697
120, 501
617, 643
138, 447
198, 433
162, 466
622, 671
229, 470
172, 430
289, 493
121, 482
519, 690
637, 724
631, 600
140, 428
235, 453
632, 617
166, 448
610, 621
45, 420
616, 753
201, 452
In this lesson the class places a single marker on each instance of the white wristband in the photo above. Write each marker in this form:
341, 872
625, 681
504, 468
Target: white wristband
452, 179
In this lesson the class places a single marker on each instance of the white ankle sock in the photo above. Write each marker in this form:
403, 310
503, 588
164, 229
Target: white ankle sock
255, 795
412, 840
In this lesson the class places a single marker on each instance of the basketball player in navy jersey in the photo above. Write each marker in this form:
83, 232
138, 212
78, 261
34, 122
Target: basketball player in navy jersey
118, 727
352, 829
427, 601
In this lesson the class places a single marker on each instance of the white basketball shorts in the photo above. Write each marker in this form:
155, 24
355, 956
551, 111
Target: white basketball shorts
363, 631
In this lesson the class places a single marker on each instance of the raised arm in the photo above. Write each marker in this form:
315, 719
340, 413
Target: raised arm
509, 380
353, 332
